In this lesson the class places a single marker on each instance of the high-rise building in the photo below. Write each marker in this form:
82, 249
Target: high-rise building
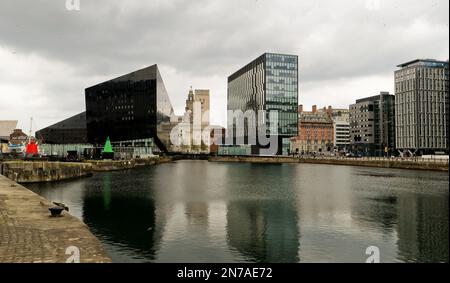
372, 125
422, 106
133, 110
315, 132
270, 84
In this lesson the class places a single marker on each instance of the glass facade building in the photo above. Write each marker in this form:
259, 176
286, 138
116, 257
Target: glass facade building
129, 108
70, 131
270, 84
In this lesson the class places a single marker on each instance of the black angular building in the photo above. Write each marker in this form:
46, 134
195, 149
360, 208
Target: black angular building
133, 107
70, 131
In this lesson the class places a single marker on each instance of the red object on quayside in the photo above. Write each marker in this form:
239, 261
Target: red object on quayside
32, 148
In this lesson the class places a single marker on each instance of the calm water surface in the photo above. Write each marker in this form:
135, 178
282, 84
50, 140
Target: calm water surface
195, 211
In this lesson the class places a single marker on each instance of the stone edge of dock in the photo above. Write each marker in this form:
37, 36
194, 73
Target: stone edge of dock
28, 234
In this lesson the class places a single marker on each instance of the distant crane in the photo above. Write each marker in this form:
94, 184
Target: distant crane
31, 127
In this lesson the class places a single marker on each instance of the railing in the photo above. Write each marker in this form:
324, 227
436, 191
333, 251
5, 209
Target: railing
396, 159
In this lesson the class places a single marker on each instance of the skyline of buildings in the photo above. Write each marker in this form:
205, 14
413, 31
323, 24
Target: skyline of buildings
270, 83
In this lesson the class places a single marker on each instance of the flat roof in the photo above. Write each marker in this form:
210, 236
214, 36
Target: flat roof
7, 127
253, 63
421, 60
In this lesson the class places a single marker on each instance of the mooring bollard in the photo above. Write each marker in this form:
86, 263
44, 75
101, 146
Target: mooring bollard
62, 205
56, 211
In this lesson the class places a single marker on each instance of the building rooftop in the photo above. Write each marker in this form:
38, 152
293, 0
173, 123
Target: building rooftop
7, 128
426, 62
374, 98
254, 62
317, 117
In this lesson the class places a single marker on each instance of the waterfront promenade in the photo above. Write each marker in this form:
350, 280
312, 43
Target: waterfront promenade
28, 234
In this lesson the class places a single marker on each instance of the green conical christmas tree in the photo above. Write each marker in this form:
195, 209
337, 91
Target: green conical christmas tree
108, 152
108, 147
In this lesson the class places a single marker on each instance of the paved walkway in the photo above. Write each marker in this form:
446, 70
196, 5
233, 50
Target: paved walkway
29, 235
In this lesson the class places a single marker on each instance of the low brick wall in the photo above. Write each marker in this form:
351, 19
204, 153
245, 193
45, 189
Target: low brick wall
44, 171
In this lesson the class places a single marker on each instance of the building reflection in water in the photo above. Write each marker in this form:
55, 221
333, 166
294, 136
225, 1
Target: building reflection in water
419, 220
215, 212
124, 220
423, 228
197, 214
264, 229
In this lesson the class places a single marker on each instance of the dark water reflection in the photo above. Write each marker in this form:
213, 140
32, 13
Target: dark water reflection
195, 211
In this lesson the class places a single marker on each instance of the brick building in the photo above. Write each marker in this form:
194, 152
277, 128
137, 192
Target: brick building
315, 132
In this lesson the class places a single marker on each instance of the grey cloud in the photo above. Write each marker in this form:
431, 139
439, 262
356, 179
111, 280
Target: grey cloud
205, 38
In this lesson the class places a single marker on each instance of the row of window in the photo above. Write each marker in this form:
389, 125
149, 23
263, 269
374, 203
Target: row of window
423, 84
424, 96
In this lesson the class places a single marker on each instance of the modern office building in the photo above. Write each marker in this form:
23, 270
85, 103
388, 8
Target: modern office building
372, 125
422, 106
341, 134
70, 131
133, 110
270, 84
62, 137
315, 132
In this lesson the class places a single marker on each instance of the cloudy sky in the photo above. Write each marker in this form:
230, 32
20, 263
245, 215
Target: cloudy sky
347, 49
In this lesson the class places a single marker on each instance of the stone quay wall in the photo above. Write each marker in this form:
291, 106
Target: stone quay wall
43, 171
434, 165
